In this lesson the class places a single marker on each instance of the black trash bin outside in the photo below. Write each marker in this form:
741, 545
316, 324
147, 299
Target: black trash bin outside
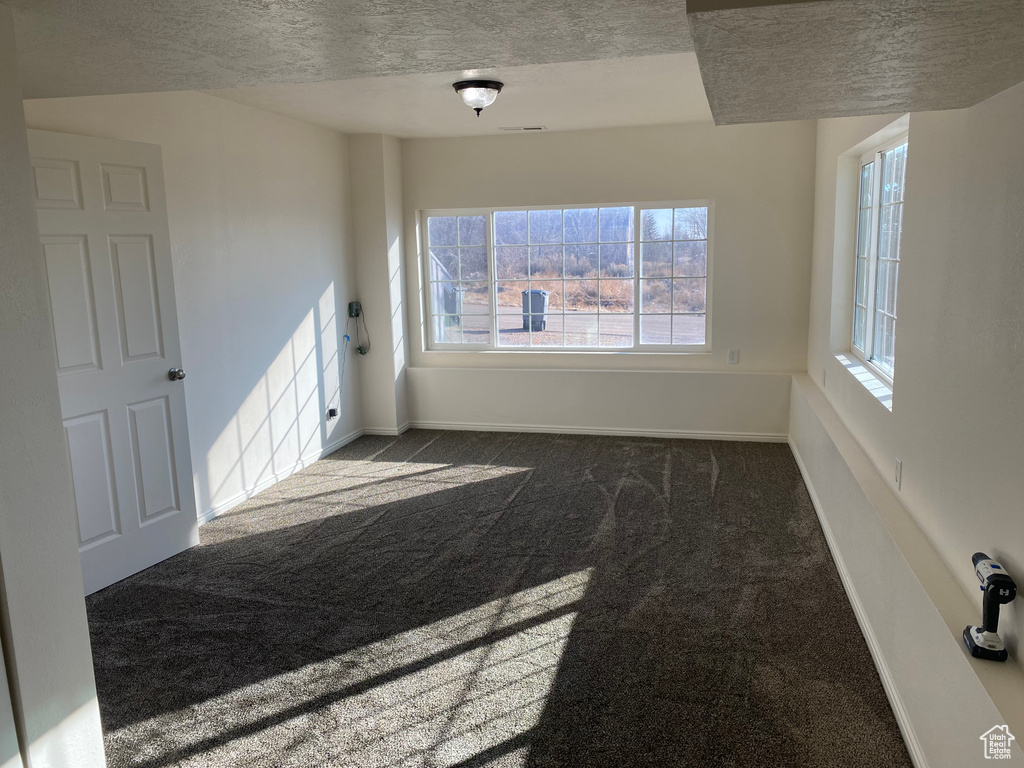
535, 306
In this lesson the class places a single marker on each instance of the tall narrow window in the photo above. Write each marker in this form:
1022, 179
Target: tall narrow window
879, 227
459, 275
673, 275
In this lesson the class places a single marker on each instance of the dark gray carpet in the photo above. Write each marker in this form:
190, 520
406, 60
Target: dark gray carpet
472, 599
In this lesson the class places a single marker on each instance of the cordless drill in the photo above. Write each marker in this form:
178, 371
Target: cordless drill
983, 642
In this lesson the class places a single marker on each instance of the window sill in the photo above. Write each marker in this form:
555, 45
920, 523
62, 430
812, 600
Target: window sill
565, 351
878, 389
642, 349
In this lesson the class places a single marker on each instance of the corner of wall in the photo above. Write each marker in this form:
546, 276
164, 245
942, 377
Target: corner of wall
378, 234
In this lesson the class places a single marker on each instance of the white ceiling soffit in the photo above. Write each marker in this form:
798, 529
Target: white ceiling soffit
76, 48
792, 61
594, 94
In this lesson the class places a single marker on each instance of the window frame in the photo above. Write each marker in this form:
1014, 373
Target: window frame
488, 212
874, 156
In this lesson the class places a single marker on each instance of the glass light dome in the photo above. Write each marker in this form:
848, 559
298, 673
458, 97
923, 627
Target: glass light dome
478, 94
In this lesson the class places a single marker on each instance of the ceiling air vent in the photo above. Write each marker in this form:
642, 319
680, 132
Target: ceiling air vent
521, 128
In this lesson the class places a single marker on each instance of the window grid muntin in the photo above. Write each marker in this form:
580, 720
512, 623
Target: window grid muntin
493, 244
590, 323
446, 320
671, 241
862, 260
890, 213
882, 363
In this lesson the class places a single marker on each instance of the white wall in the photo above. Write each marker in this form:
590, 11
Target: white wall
958, 402
657, 403
258, 207
395, 224
10, 753
42, 613
761, 180
376, 181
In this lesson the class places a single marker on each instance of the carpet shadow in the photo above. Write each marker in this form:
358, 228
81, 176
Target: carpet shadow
480, 599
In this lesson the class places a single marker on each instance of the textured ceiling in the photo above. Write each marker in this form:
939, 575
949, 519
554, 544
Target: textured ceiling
759, 60
87, 47
568, 96
856, 57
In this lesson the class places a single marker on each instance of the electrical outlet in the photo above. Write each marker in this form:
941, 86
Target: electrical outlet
332, 413
355, 309
734, 356
899, 474
824, 372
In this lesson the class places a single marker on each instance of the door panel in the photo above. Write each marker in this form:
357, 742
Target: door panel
57, 183
125, 188
92, 477
103, 225
153, 451
69, 277
139, 308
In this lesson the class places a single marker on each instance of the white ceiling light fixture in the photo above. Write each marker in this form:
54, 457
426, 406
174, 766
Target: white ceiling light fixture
478, 94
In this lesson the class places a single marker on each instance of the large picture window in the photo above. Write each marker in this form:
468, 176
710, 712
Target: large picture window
625, 277
879, 230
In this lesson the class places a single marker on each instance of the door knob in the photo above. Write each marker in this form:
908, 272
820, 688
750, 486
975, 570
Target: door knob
176, 374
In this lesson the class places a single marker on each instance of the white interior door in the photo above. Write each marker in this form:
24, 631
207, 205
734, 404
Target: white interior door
103, 226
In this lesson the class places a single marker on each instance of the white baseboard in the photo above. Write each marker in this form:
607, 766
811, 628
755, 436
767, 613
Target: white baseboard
760, 437
226, 506
891, 691
386, 431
